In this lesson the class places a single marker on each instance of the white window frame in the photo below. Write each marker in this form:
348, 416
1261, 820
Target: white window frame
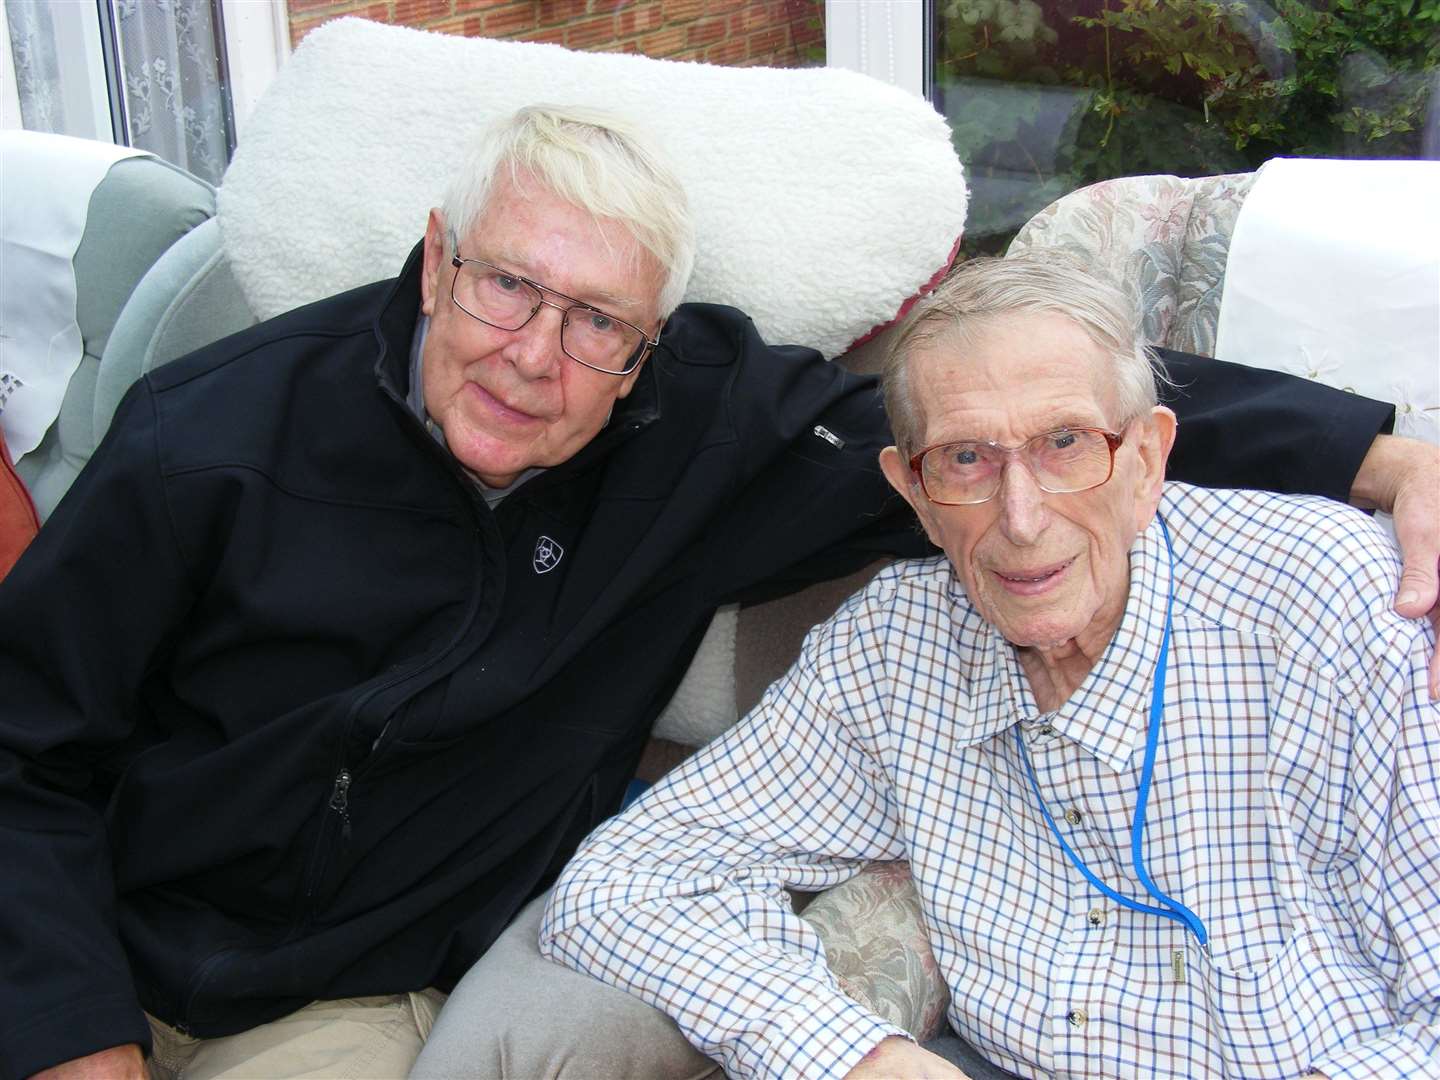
87, 98
885, 39
257, 43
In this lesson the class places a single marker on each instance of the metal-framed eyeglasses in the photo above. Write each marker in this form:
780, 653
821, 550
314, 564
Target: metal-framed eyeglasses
1062, 462
506, 301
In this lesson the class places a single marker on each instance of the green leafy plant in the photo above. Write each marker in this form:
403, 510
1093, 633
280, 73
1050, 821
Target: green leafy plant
1185, 86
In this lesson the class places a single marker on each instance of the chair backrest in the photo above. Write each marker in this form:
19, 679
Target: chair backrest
1166, 237
141, 208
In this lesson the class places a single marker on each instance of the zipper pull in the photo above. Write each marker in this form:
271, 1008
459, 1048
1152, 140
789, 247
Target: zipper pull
822, 432
340, 802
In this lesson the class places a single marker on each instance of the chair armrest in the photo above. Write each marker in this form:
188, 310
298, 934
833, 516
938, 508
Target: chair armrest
879, 950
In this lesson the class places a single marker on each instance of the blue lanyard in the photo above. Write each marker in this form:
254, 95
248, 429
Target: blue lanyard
1172, 908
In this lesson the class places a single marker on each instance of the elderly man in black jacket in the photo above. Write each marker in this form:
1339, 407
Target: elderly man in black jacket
357, 621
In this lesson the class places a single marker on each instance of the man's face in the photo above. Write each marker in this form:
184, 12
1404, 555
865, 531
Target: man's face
1043, 569
508, 401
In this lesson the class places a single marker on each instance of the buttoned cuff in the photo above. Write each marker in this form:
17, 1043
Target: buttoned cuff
821, 1037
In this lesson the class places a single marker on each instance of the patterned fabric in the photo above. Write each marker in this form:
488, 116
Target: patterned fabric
1161, 235
1293, 808
877, 948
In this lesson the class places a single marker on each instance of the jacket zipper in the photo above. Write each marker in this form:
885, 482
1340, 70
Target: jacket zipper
339, 801
339, 805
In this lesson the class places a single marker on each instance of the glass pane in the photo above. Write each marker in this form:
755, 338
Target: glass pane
176, 102
59, 68
1043, 98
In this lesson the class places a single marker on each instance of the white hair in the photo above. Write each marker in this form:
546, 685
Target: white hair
593, 160
980, 292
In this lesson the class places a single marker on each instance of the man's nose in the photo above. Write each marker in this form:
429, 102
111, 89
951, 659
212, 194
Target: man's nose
535, 349
1023, 515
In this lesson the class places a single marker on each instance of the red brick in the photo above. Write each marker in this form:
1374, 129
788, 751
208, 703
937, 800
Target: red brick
554, 35
607, 7
591, 33
562, 11
771, 40
755, 17
379, 12
664, 42
620, 47
639, 19
297, 6
512, 19
460, 26
420, 12
724, 7
682, 10
728, 52
808, 33
689, 54
469, 7
704, 32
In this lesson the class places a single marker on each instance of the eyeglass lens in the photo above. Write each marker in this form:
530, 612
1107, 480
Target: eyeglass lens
1061, 461
587, 334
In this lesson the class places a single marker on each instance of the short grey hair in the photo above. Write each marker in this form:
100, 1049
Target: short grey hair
591, 159
983, 291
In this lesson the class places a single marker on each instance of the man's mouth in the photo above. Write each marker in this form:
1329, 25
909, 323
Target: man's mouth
500, 409
1031, 581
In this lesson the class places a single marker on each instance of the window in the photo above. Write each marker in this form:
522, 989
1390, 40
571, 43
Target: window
155, 74
1043, 98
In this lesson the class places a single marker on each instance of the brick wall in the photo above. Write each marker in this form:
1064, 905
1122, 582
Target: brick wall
775, 33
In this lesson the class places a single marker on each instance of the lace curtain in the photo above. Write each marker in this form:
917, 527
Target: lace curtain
170, 73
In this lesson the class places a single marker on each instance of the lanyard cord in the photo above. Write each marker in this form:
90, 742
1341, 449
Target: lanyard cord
1172, 908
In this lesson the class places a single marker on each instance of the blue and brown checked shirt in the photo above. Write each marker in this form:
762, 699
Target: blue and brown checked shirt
1295, 808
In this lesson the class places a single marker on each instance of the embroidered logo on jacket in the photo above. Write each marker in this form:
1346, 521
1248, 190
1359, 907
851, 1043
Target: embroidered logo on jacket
547, 555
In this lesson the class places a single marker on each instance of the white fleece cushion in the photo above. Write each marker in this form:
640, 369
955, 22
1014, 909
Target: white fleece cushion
823, 199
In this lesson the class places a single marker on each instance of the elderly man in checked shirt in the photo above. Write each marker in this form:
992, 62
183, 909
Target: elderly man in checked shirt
1161, 758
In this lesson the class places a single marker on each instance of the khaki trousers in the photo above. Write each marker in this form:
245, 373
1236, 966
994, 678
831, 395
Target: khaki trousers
373, 1038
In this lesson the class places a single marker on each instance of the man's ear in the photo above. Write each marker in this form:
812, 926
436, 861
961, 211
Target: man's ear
629, 382
897, 471
434, 261
1157, 438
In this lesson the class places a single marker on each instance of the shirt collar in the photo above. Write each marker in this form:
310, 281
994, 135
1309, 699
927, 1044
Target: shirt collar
1108, 714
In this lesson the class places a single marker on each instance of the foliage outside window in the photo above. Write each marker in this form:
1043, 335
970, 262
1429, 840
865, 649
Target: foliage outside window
1043, 99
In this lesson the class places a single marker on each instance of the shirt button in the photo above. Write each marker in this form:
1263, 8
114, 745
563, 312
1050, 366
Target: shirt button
1096, 916
1046, 729
1076, 1018
1072, 816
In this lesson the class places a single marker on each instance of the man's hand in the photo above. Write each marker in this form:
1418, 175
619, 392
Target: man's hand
118, 1063
900, 1059
1402, 476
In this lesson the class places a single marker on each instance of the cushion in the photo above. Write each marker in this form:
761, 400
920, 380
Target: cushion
823, 199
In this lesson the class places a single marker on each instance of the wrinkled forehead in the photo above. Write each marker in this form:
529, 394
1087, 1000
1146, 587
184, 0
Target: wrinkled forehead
1021, 371
528, 229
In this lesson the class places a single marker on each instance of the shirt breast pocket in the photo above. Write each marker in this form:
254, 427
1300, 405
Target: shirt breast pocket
1276, 1019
